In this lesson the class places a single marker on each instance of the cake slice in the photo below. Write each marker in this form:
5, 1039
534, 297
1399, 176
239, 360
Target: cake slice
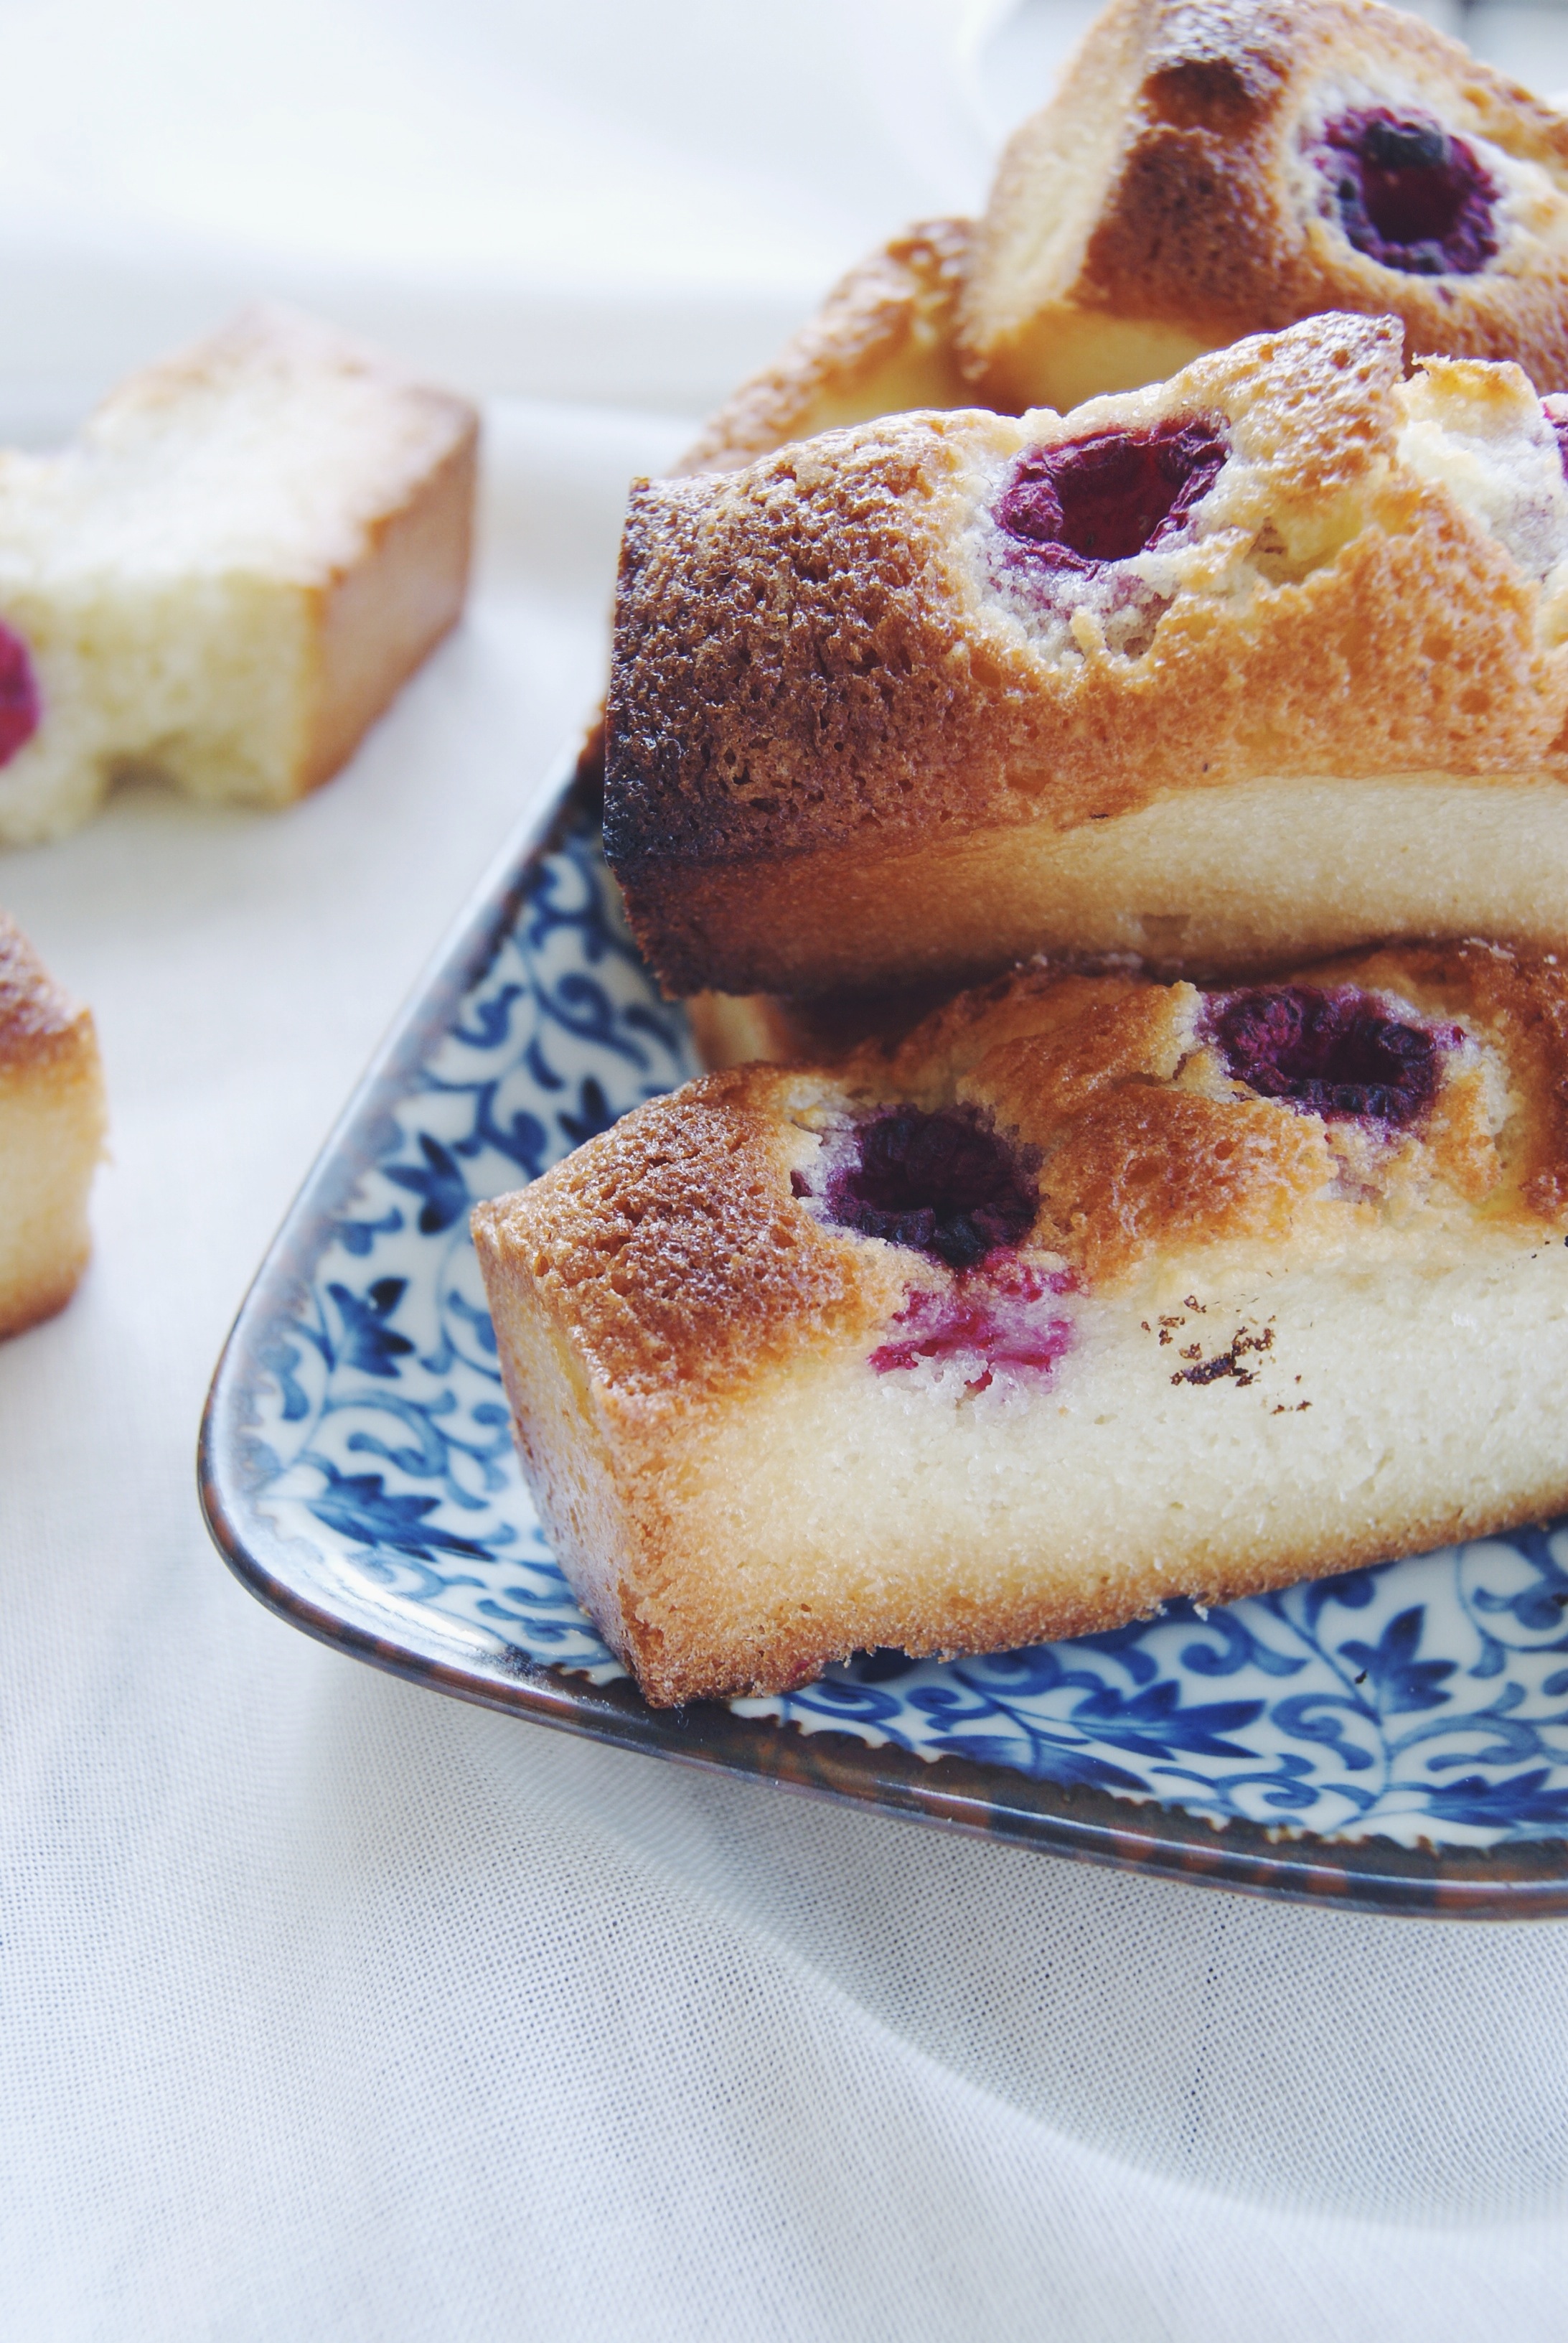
1262, 662
1094, 1290
228, 575
52, 1124
1209, 171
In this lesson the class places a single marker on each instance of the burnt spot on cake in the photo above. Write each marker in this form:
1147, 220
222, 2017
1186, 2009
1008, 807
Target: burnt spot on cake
1114, 495
996, 1319
944, 1184
1409, 193
1228, 1365
20, 706
1338, 1054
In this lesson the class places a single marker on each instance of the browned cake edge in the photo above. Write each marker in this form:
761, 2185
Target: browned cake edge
1176, 123
52, 1106
376, 622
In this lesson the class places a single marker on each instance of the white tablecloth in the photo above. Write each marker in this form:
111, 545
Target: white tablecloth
329, 2008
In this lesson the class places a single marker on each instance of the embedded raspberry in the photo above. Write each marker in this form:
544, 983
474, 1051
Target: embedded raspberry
1107, 498
1336, 1054
942, 1183
991, 1317
1410, 195
20, 708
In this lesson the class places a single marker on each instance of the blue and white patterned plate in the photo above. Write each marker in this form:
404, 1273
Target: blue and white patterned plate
1396, 1737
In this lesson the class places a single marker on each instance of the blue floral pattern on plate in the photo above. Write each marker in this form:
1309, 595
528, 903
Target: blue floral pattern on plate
363, 1444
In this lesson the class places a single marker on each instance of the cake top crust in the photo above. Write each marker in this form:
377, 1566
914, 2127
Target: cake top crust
276, 445
882, 341
1075, 1133
674, 1243
40, 1023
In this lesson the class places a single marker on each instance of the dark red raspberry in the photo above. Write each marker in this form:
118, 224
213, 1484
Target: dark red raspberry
942, 1183
1410, 193
1107, 498
1334, 1053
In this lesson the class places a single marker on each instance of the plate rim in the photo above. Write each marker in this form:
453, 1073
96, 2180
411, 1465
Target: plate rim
1523, 1879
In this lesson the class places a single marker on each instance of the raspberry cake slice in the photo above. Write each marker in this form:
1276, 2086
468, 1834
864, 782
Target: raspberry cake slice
1268, 660
228, 575
1093, 1291
52, 1124
1206, 171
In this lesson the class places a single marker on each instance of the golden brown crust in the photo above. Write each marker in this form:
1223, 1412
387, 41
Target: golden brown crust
1155, 1168
826, 651
1523, 1000
1046, 1057
1148, 1149
40, 1025
42, 1297
747, 1029
677, 1252
378, 621
882, 341
52, 1120
1182, 126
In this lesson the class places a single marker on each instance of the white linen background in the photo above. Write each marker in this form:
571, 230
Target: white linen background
329, 2008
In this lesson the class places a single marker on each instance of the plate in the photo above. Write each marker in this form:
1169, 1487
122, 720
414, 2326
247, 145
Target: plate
1394, 1739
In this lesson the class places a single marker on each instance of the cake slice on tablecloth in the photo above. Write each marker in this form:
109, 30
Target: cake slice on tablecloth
228, 575
52, 1122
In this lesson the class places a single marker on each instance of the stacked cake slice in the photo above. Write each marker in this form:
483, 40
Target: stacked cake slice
1204, 172
1267, 659
1095, 1291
